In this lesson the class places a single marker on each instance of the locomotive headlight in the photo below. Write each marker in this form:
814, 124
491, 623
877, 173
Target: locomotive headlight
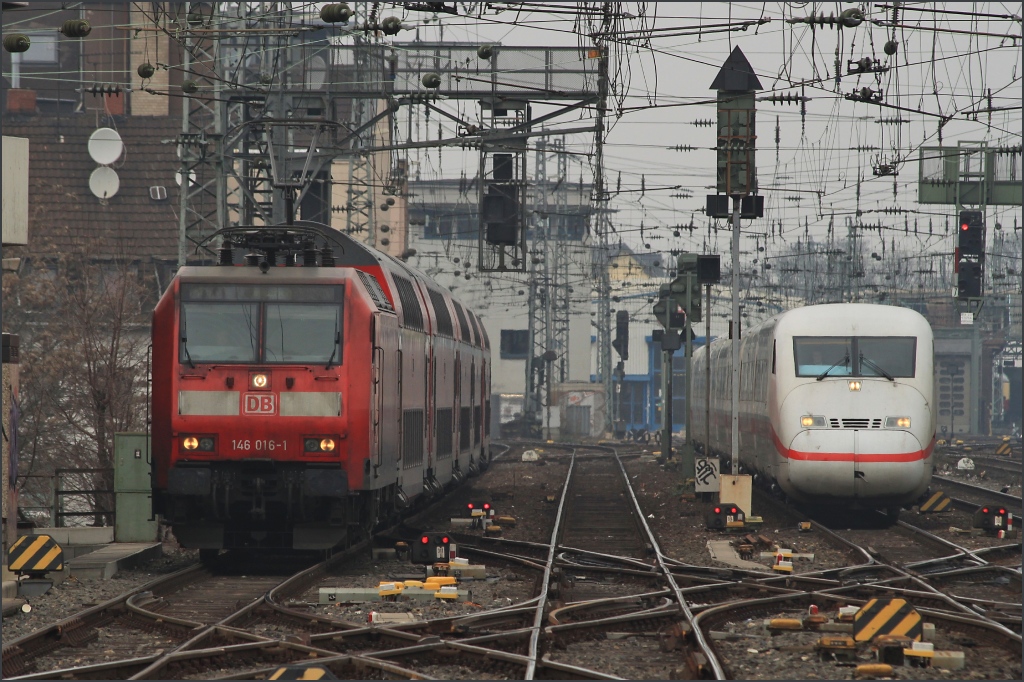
327, 444
206, 444
897, 422
200, 443
810, 421
854, 385
319, 444
259, 380
190, 443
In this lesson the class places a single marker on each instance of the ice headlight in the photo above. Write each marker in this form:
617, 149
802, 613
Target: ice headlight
810, 421
897, 422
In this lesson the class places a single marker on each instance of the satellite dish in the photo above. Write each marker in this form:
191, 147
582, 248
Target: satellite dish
104, 183
105, 146
191, 178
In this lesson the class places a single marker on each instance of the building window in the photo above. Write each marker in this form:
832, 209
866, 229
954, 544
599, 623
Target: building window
42, 50
515, 344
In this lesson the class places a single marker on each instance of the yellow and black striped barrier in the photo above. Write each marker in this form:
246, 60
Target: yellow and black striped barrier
302, 672
938, 502
1004, 448
35, 554
886, 617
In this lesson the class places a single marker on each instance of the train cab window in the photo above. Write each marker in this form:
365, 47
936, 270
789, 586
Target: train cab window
219, 332
299, 333
816, 355
886, 355
222, 323
862, 356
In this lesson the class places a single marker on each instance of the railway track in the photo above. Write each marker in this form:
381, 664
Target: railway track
652, 616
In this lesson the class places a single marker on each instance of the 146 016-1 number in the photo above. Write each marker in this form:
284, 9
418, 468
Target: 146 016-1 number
259, 445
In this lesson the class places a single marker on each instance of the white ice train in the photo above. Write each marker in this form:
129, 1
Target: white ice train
837, 405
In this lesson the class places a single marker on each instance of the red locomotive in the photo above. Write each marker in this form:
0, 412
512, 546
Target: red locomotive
308, 387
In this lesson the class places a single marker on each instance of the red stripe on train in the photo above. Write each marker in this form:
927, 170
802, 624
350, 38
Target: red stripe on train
849, 456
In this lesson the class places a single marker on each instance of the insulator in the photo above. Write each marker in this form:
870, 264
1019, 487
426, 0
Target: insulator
309, 256
485, 51
892, 119
252, 259
821, 20
385, 228
890, 47
703, 123
327, 257
384, 241
788, 98
431, 80
76, 28
335, 13
146, 70
17, 42
189, 87
864, 148
390, 26
684, 148
225, 255
851, 17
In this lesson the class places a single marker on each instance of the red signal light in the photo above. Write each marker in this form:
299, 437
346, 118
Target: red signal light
444, 540
469, 506
424, 539
1002, 511
964, 227
487, 505
718, 510
733, 510
984, 510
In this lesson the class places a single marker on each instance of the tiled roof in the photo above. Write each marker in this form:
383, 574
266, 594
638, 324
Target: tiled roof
64, 215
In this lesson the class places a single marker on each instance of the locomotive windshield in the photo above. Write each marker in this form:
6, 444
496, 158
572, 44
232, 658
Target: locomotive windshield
294, 324
861, 356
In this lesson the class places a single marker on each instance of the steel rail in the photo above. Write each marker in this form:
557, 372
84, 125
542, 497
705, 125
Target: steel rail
538, 616
704, 645
993, 495
55, 636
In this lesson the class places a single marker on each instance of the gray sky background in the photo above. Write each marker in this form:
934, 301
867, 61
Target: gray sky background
814, 172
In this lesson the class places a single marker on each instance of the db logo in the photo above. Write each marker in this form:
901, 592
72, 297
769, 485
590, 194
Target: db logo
260, 403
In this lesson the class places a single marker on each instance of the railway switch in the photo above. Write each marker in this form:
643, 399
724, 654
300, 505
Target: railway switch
724, 516
995, 519
430, 548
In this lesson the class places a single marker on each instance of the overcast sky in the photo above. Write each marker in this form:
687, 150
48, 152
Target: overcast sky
813, 171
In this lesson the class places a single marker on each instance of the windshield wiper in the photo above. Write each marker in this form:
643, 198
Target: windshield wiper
875, 367
337, 342
184, 347
845, 361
